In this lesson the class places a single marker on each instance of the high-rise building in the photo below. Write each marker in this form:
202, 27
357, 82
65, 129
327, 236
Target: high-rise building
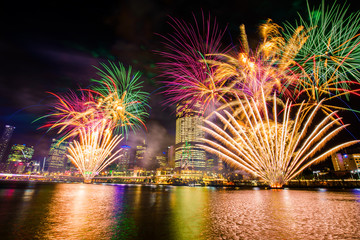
20, 155
210, 164
213, 162
57, 159
139, 155
4, 141
220, 164
188, 134
124, 160
161, 159
171, 156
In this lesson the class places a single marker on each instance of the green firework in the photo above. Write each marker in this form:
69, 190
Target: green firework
332, 47
120, 97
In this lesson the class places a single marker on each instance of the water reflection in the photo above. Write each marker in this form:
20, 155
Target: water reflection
189, 218
88, 211
23, 209
285, 214
80, 211
124, 226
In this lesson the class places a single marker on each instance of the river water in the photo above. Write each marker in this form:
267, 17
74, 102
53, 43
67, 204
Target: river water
101, 211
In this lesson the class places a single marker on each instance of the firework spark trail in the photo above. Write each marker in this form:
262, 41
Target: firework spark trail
71, 112
93, 152
268, 68
117, 97
307, 63
333, 42
319, 85
275, 149
120, 98
190, 78
95, 114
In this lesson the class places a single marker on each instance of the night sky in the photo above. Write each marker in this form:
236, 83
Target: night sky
53, 46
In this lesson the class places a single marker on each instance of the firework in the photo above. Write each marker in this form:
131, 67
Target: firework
119, 97
267, 69
72, 112
333, 42
190, 78
95, 115
275, 148
320, 86
93, 152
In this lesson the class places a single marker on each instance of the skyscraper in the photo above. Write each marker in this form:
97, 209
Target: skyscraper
20, 155
139, 154
171, 156
188, 134
57, 159
161, 159
4, 141
124, 160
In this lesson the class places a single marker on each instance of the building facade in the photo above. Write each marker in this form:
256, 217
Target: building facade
140, 151
171, 156
124, 160
19, 158
57, 160
346, 162
188, 135
161, 159
4, 141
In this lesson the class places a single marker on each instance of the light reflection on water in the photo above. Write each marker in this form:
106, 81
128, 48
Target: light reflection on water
89, 211
79, 210
285, 214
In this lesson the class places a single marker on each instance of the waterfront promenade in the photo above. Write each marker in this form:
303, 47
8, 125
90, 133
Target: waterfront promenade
179, 181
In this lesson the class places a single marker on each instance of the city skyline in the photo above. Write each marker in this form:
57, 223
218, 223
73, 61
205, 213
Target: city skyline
57, 55
179, 119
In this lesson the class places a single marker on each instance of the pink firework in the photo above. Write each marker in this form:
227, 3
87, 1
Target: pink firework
72, 112
189, 76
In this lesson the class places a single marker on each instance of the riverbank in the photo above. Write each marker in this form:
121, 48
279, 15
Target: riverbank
294, 184
331, 183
